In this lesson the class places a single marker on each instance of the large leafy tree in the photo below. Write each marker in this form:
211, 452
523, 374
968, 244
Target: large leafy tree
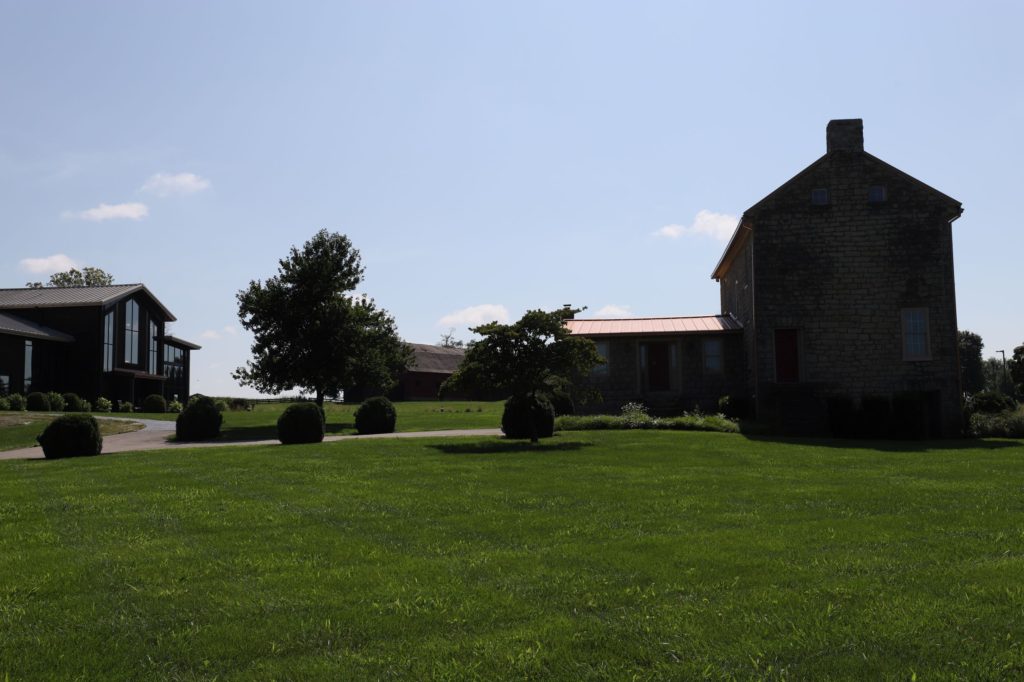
86, 277
972, 372
535, 356
1016, 367
311, 332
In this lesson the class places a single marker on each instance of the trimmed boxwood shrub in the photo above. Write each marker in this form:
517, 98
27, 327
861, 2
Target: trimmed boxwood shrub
56, 401
72, 403
103, 405
199, 421
301, 423
528, 416
154, 403
37, 402
376, 415
125, 406
71, 435
17, 402
5, 404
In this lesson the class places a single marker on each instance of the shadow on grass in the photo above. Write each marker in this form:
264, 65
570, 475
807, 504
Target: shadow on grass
243, 434
487, 447
888, 445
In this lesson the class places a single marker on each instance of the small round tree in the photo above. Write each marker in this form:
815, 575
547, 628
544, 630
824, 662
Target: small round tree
529, 416
154, 403
201, 420
301, 423
71, 435
376, 415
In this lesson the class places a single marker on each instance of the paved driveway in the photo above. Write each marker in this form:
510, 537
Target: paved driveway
155, 432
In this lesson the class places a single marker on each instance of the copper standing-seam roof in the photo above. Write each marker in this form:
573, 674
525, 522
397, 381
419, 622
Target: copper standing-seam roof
702, 324
67, 297
16, 326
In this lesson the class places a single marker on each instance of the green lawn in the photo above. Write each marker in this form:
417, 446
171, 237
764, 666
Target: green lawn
611, 555
19, 429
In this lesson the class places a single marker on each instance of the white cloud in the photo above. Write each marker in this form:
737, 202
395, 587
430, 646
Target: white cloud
475, 315
134, 211
58, 262
210, 334
229, 330
706, 223
178, 184
612, 310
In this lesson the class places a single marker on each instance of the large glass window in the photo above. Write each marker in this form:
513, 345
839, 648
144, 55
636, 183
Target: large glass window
108, 342
152, 346
601, 371
916, 345
712, 356
131, 333
28, 365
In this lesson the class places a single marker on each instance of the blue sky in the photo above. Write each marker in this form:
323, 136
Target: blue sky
485, 157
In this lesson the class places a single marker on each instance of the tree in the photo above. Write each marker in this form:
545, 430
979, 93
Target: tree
86, 277
311, 332
972, 374
536, 356
1016, 367
448, 340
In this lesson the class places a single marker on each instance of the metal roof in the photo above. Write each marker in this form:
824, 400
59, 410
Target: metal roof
435, 359
71, 297
703, 324
16, 326
175, 341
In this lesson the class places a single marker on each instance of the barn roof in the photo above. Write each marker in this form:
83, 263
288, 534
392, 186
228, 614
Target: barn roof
435, 359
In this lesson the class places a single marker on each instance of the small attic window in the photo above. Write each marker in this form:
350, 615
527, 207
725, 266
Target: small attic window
819, 197
877, 194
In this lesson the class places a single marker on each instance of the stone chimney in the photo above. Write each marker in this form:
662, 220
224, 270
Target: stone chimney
845, 135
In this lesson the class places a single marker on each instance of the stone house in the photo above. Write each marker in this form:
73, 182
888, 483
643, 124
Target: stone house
841, 281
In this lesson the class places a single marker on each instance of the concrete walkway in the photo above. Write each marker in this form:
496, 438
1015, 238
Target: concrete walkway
155, 432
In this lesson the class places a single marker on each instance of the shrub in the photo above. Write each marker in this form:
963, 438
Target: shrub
1002, 425
103, 405
635, 416
71, 435
875, 417
154, 403
72, 403
37, 402
125, 406
562, 403
301, 423
17, 402
376, 415
56, 401
842, 416
200, 420
239, 405
174, 406
529, 416
5, 404
990, 402
86, 406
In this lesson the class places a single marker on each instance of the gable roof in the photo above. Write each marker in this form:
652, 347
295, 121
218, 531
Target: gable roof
435, 359
16, 326
747, 221
74, 297
701, 324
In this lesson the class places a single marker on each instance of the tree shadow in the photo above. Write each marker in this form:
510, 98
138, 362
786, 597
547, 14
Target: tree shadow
502, 445
244, 434
889, 445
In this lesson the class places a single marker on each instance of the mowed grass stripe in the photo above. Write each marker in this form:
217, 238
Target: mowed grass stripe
597, 555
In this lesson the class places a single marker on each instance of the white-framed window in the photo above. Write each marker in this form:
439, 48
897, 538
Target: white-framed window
712, 352
601, 371
916, 339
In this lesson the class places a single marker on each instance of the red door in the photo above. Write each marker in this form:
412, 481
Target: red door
787, 356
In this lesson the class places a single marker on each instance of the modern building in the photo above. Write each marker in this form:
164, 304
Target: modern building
107, 341
838, 289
